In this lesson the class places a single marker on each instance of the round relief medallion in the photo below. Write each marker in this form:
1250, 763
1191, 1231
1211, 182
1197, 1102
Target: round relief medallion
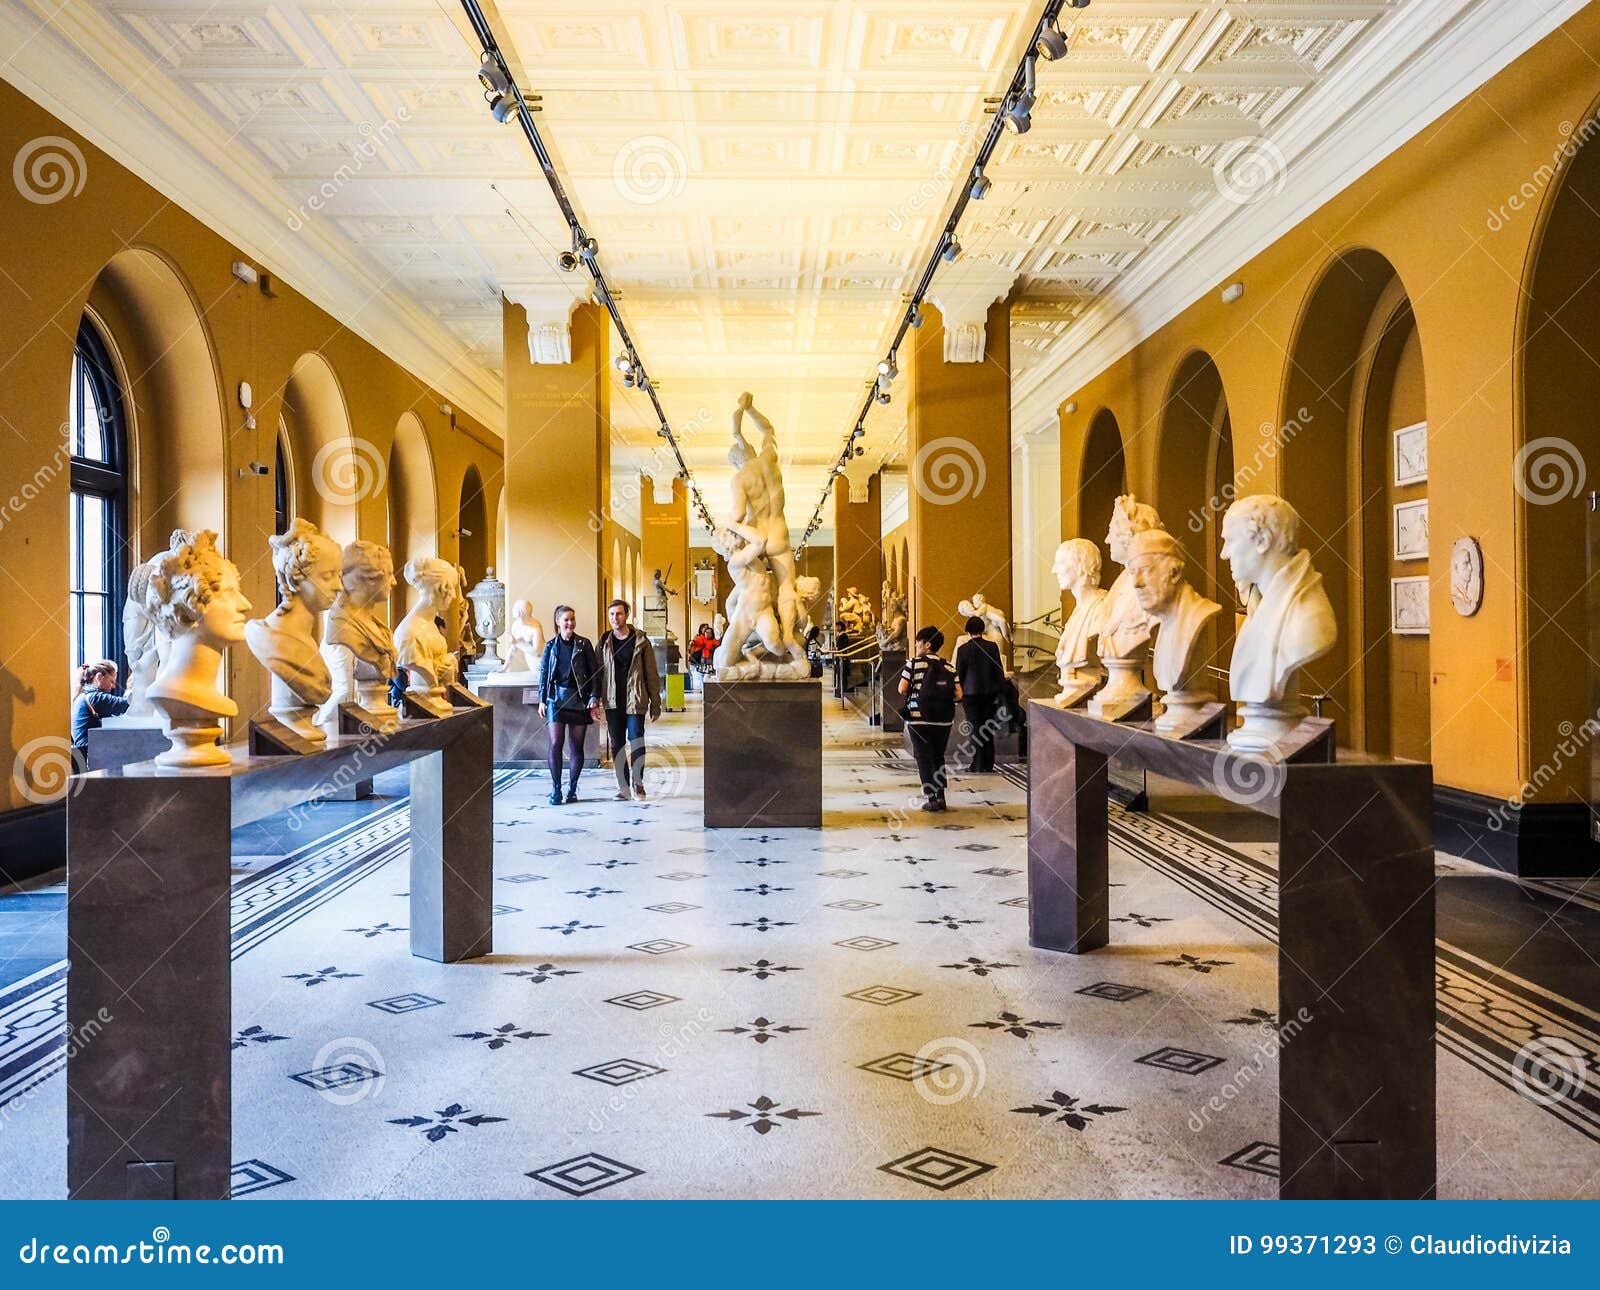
1466, 576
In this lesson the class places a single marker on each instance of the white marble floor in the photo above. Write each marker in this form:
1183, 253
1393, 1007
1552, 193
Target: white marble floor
850, 1013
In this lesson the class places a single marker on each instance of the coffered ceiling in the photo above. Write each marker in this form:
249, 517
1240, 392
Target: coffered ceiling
765, 181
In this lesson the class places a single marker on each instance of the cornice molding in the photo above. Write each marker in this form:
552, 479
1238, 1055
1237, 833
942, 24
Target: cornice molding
73, 64
1427, 58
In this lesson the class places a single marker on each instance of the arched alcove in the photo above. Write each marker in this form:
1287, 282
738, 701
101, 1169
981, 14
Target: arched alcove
1102, 478
1558, 463
334, 471
1194, 482
176, 428
473, 525
413, 502
1355, 377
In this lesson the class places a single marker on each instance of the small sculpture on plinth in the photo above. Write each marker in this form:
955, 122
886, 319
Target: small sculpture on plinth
1077, 570
1288, 622
195, 596
996, 627
1182, 614
522, 645
488, 600
1126, 628
356, 642
892, 628
420, 646
855, 612
308, 567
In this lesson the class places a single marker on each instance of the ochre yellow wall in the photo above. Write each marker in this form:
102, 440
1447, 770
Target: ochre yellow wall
1440, 211
187, 334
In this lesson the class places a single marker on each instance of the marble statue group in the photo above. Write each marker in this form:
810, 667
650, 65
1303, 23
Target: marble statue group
1105, 645
763, 640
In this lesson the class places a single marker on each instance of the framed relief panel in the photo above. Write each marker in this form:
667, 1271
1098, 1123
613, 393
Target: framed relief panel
1411, 454
1411, 530
1408, 606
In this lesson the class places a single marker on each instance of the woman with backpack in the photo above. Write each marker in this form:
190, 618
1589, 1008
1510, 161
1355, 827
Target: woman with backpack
932, 691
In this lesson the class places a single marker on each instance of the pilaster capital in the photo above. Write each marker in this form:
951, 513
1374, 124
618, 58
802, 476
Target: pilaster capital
549, 310
963, 291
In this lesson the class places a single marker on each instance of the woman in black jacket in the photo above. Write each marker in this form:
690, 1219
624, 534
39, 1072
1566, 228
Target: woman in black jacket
568, 700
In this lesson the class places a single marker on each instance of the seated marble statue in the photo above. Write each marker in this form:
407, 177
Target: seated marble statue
522, 645
308, 567
892, 630
1077, 570
356, 642
1125, 629
1289, 622
195, 597
1157, 563
420, 645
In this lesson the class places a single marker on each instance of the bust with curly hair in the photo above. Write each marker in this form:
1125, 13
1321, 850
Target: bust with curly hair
419, 643
195, 598
308, 566
357, 642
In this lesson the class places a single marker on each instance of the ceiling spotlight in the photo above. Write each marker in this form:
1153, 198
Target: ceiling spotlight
888, 370
664, 432
952, 248
1018, 110
628, 378
568, 261
980, 185
502, 107
916, 315
882, 395
624, 362
588, 248
858, 432
1052, 44
494, 77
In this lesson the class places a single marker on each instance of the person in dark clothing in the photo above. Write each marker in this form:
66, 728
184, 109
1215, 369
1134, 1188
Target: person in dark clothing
931, 691
982, 674
569, 677
95, 700
630, 691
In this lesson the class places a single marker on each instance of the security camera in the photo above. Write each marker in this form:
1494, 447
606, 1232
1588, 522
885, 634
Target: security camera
255, 468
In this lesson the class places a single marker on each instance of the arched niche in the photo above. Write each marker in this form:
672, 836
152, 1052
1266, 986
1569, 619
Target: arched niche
1355, 377
413, 502
1194, 482
177, 433
334, 471
473, 526
1102, 478
1557, 466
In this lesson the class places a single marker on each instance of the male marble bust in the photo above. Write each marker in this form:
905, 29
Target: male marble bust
1290, 621
1126, 629
1182, 614
356, 642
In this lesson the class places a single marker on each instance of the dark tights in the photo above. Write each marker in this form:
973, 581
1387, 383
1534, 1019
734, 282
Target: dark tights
572, 733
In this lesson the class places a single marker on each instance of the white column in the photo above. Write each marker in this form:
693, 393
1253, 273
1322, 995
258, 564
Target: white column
1036, 518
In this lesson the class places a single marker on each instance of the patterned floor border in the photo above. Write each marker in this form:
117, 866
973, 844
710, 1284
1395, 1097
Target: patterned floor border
33, 1011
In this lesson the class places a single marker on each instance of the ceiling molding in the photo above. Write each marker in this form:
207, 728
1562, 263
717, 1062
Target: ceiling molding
1428, 61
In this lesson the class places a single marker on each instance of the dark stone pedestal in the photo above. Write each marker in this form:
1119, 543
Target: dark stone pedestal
763, 755
521, 737
889, 699
1356, 1083
118, 744
149, 986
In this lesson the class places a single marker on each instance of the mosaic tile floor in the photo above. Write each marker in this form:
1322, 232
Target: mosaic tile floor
854, 1013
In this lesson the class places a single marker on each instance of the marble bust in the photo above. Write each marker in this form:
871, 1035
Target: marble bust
421, 647
308, 567
195, 597
522, 645
1077, 569
1125, 628
356, 642
1157, 563
1289, 622
143, 644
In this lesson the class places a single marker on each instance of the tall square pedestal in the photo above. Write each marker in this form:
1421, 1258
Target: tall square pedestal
763, 755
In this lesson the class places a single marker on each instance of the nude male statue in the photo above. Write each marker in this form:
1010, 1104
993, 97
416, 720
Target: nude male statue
758, 508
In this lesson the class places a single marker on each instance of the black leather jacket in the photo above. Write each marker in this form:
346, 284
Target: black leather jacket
585, 675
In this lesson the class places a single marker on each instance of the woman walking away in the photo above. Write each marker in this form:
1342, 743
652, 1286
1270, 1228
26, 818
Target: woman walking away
568, 677
630, 690
94, 699
982, 673
931, 689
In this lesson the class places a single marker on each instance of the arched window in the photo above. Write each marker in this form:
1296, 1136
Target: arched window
282, 500
98, 529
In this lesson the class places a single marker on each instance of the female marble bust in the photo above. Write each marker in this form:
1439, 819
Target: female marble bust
1077, 569
356, 643
195, 597
308, 566
142, 641
421, 647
